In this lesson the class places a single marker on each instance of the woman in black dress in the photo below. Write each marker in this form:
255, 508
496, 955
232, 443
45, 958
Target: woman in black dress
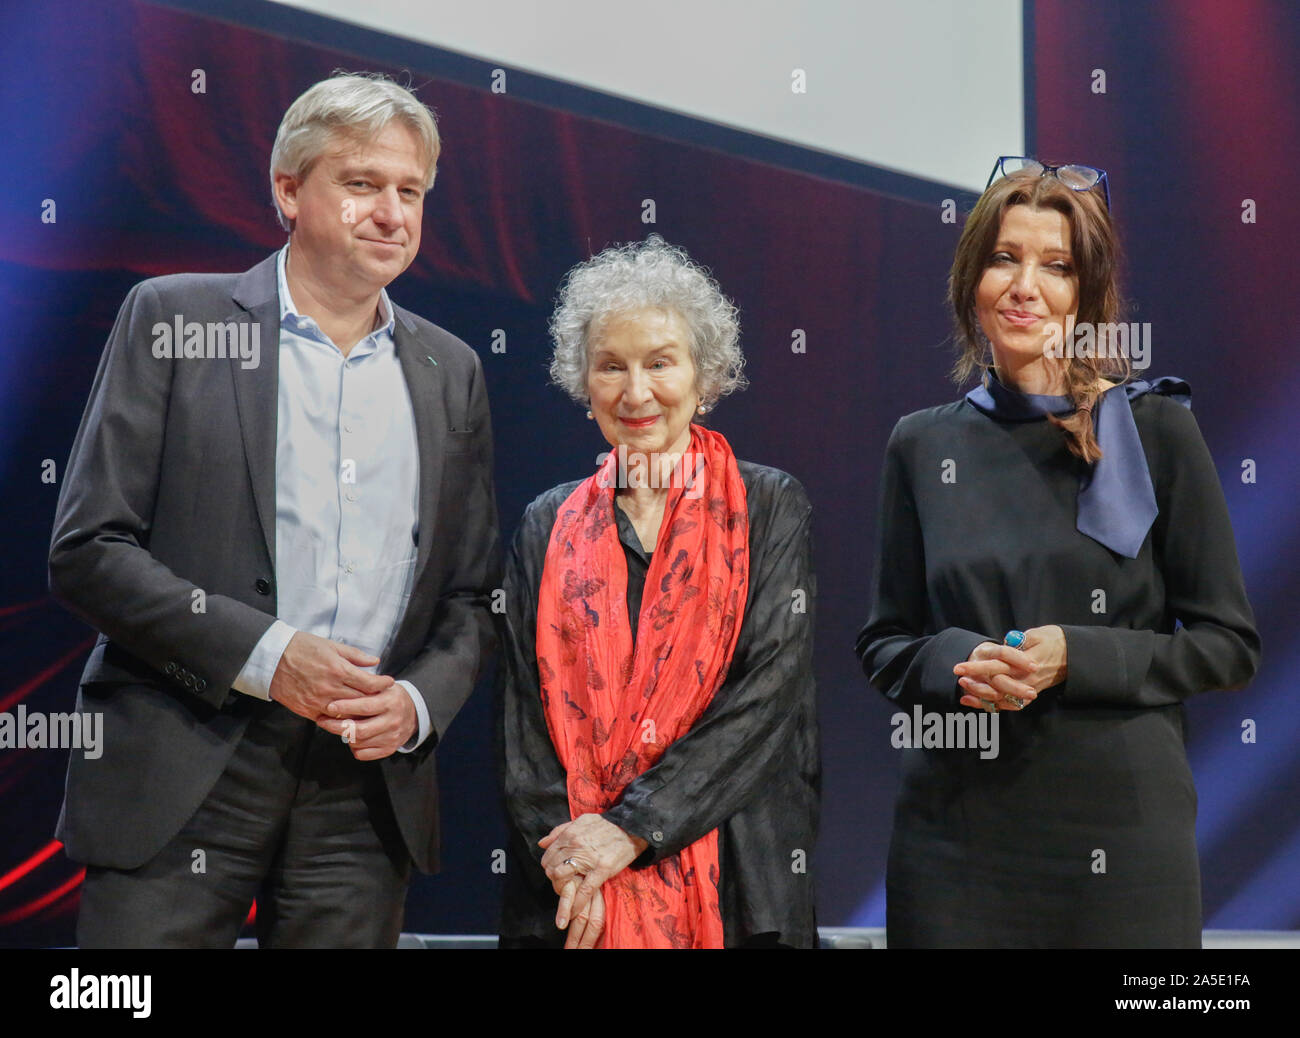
1078, 517
622, 835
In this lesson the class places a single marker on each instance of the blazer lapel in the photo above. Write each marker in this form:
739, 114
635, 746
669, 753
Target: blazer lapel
256, 390
424, 386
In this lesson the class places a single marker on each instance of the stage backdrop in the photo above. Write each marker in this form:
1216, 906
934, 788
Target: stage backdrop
122, 167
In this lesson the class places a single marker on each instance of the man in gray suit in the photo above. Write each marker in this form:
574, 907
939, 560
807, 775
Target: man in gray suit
279, 514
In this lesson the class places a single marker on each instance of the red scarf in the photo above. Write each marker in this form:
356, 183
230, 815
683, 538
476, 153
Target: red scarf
611, 709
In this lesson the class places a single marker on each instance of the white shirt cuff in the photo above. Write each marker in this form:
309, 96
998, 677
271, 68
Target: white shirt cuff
255, 679
425, 728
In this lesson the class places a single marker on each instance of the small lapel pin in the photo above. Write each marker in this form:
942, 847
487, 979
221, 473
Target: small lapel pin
431, 360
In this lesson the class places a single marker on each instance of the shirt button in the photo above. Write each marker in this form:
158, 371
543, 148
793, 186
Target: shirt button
351, 496
657, 837
348, 568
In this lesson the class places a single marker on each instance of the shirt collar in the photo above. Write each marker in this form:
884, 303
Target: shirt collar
628, 535
301, 324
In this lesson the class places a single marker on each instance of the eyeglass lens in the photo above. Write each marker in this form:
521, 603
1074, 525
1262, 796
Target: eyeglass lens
1011, 166
1079, 178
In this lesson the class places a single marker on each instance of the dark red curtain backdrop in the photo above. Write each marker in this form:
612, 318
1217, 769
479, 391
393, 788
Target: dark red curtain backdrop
149, 177
1201, 115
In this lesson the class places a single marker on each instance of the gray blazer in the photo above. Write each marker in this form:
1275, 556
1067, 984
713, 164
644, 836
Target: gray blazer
171, 488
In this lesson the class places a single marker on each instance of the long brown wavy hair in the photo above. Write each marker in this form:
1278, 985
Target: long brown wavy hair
1095, 250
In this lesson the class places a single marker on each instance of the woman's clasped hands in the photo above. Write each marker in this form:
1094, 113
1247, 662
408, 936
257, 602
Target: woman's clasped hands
580, 856
1002, 677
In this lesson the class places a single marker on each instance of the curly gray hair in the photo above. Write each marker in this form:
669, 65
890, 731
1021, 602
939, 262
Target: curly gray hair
634, 276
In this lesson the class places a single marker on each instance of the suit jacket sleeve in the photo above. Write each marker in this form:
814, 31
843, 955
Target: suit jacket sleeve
100, 564
461, 633
532, 777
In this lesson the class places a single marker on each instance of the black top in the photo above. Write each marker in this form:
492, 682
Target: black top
750, 765
1082, 830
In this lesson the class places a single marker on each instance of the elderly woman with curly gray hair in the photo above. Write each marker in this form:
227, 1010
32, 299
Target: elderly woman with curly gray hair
659, 738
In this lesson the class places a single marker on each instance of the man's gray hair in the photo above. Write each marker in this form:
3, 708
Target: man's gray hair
650, 274
355, 105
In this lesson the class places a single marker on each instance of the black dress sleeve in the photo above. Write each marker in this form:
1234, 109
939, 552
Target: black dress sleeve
533, 778
745, 735
1217, 645
901, 652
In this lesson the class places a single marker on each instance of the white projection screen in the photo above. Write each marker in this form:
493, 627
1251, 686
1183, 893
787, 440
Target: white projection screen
928, 88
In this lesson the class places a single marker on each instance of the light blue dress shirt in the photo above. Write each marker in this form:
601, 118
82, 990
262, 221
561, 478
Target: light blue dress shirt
347, 484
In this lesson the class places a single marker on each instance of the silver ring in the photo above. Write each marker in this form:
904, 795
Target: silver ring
568, 861
1015, 701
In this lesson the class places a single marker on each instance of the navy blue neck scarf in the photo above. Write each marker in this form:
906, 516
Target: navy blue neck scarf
1117, 503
